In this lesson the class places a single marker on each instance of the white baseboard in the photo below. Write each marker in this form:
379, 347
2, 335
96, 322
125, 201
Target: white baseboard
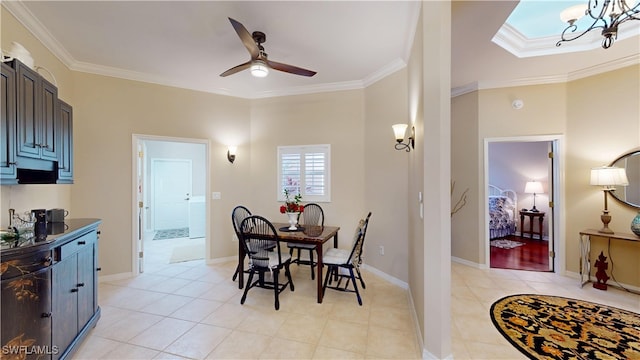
469, 263
115, 277
386, 276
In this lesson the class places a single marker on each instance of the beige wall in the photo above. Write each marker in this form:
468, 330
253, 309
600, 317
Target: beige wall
603, 123
581, 112
466, 168
107, 112
386, 176
416, 247
328, 118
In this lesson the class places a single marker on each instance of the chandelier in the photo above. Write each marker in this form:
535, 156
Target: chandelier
606, 14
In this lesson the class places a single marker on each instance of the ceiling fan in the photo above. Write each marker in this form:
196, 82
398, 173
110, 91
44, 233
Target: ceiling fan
259, 63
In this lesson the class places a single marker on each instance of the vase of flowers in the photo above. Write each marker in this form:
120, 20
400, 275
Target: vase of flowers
292, 208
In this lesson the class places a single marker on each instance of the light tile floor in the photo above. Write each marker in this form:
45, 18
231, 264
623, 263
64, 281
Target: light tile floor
192, 310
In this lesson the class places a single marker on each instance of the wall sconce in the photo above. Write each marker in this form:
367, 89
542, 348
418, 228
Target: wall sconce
399, 130
231, 153
608, 177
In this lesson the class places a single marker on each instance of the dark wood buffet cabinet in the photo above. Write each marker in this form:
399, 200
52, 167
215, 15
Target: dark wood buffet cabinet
50, 291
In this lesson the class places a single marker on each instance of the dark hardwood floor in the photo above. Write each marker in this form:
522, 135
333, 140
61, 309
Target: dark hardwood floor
533, 255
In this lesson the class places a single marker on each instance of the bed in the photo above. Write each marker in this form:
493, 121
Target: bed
503, 209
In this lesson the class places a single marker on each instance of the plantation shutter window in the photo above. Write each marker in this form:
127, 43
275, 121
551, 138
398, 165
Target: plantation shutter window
304, 170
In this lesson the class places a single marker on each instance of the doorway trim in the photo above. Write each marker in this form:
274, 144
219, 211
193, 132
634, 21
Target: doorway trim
559, 243
137, 138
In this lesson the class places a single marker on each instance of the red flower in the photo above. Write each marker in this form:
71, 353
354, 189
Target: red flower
283, 209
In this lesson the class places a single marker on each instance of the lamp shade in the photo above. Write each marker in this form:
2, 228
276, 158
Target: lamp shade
259, 68
533, 187
399, 130
609, 176
573, 13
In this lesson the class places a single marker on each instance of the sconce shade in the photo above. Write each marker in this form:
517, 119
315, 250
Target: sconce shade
573, 13
608, 176
399, 130
259, 68
231, 153
533, 187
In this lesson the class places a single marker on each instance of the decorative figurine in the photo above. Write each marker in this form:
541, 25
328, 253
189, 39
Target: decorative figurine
601, 274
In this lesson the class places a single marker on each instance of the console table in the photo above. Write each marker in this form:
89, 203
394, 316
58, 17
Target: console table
585, 249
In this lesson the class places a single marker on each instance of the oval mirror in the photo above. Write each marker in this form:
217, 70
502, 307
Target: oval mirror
630, 194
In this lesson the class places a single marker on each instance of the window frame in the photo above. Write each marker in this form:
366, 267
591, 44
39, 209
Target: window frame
302, 150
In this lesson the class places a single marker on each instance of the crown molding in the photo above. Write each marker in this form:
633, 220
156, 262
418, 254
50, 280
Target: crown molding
545, 80
31, 23
510, 39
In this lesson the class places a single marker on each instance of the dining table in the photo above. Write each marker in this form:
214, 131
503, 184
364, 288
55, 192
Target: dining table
310, 234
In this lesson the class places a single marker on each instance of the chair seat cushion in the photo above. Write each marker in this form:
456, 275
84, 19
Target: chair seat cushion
273, 260
335, 256
301, 246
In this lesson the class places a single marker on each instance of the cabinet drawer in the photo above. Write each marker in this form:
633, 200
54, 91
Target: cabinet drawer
22, 265
70, 248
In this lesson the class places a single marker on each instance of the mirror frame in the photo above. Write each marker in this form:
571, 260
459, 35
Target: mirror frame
633, 152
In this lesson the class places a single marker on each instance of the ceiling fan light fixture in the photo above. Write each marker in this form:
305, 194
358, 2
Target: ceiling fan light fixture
259, 69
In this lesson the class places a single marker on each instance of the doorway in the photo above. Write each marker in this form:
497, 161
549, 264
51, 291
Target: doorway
171, 179
530, 242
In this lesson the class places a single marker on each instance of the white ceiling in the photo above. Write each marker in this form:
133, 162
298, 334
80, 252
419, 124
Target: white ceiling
349, 43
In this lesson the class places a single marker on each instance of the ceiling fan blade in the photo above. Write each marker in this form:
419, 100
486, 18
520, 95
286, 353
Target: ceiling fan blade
289, 68
246, 38
236, 69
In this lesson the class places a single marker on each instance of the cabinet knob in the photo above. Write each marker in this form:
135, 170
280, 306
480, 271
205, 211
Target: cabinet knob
12, 163
47, 261
74, 290
99, 269
80, 284
46, 315
82, 242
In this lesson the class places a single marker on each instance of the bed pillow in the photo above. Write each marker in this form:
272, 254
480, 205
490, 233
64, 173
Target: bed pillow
497, 203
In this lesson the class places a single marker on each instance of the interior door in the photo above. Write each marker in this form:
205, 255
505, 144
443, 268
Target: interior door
142, 206
171, 179
552, 182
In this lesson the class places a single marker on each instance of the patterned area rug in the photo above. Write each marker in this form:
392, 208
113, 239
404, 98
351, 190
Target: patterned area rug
552, 327
171, 234
505, 244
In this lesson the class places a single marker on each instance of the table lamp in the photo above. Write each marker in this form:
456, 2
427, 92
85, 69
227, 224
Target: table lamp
533, 187
608, 177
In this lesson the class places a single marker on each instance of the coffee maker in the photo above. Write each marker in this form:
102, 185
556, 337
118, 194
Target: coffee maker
40, 225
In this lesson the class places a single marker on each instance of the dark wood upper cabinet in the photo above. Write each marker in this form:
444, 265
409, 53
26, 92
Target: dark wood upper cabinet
37, 114
65, 147
8, 170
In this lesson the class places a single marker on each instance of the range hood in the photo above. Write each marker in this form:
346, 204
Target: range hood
36, 171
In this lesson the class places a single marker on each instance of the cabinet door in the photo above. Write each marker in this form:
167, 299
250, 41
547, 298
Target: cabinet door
49, 126
26, 316
8, 169
65, 148
86, 282
28, 111
65, 306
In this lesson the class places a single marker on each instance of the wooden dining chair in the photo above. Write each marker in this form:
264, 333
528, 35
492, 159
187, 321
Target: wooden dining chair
350, 260
257, 235
238, 214
312, 219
